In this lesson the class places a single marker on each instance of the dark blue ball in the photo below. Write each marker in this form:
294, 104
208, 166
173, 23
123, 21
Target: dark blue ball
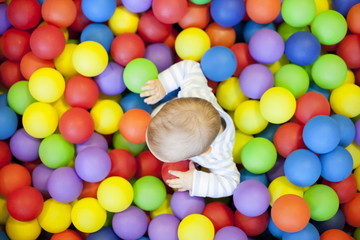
246, 175
133, 100
252, 27
343, 6
104, 233
8, 122
98, 32
227, 13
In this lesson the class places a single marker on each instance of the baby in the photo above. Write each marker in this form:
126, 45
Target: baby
192, 126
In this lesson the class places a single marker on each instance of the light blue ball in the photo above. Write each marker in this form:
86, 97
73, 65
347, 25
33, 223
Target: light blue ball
252, 27
133, 100
246, 175
308, 233
347, 129
274, 230
336, 165
98, 10
98, 32
8, 122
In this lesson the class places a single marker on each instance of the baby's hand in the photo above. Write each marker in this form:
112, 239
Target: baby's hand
184, 180
154, 91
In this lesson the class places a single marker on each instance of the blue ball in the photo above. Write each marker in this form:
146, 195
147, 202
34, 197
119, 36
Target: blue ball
313, 87
104, 233
3, 100
239, 28
3, 236
227, 13
347, 129
274, 230
252, 27
133, 100
302, 48
269, 131
336, 222
8, 122
308, 233
321, 134
246, 175
302, 167
218, 63
98, 10
343, 6
98, 32
336, 165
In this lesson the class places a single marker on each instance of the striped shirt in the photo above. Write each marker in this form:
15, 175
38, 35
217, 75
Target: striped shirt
223, 176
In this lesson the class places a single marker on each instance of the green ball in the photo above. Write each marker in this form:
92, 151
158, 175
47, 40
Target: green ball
120, 142
298, 13
323, 202
294, 78
357, 234
285, 30
149, 193
258, 155
138, 72
330, 27
329, 71
55, 151
19, 97
200, 2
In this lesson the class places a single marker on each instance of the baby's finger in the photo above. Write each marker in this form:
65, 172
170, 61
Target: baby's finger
151, 100
176, 173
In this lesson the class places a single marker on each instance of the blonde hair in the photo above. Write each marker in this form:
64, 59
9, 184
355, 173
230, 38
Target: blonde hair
183, 128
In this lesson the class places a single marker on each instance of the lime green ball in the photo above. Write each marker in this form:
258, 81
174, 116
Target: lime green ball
298, 13
138, 72
200, 2
357, 234
19, 97
294, 78
323, 202
120, 142
329, 71
55, 151
258, 155
330, 27
149, 193
285, 30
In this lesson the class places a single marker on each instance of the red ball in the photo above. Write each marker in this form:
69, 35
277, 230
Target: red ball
195, 16
252, 226
357, 76
345, 189
126, 47
219, 214
151, 29
133, 125
81, 91
81, 21
220, 35
182, 166
30, 63
47, 42
89, 189
25, 203
59, 13
148, 165
15, 44
5, 154
12, 177
67, 234
10, 73
353, 19
351, 211
76, 125
243, 57
309, 105
169, 11
335, 234
288, 138
123, 164
349, 50
24, 14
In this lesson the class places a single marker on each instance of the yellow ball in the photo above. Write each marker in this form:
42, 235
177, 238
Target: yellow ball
354, 150
322, 5
281, 186
46, 85
278, 64
248, 118
196, 227
357, 177
229, 94
240, 140
165, 208
40, 119
106, 115
350, 77
123, 21
63, 63
277, 105
115, 194
55, 216
345, 100
192, 43
87, 215
18, 230
4, 214
90, 58
61, 106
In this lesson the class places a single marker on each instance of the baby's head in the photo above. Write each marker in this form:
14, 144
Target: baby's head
183, 128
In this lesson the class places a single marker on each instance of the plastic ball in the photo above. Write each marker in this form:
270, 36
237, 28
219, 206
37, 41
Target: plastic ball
252, 226
288, 138
246, 175
15, 44
336, 165
183, 205
243, 57
96, 140
182, 166
9, 74
126, 47
90, 58
149, 193
345, 189
263, 12
106, 115
98, 32
191, 43
163, 209
81, 91
277, 105
349, 51
169, 12
357, 132
159, 54
5, 154
9, 122
333, 234
24, 147
63, 63
104, 233
123, 163
220, 35
266, 46
344, 99
218, 63
87, 215
123, 21
22, 230
308, 232
248, 119
347, 129
229, 94
138, 72
352, 19
294, 78
131, 223
323, 202
68, 233
19, 97
252, 27
133, 100
163, 227
12, 177
195, 16
59, 13
309, 105
343, 7
137, 7
219, 214
119, 141
98, 11
196, 226
55, 216
30, 63
133, 125
298, 14
350, 208
115, 194
152, 30
147, 165
92, 164
39, 177
5, 23
281, 186
24, 14
227, 13
231, 233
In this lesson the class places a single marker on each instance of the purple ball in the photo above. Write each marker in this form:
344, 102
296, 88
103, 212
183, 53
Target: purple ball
92, 164
96, 140
164, 227
160, 54
64, 185
182, 204
24, 147
230, 233
266, 46
255, 79
4, 21
277, 170
40, 176
357, 132
251, 198
137, 6
131, 223
110, 81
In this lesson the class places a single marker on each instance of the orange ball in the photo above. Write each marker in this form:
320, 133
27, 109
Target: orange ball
59, 13
30, 63
195, 16
220, 35
133, 125
335, 234
351, 211
290, 213
12, 177
353, 19
89, 189
67, 234
263, 11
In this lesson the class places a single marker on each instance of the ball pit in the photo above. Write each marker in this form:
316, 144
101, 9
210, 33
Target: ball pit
72, 122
